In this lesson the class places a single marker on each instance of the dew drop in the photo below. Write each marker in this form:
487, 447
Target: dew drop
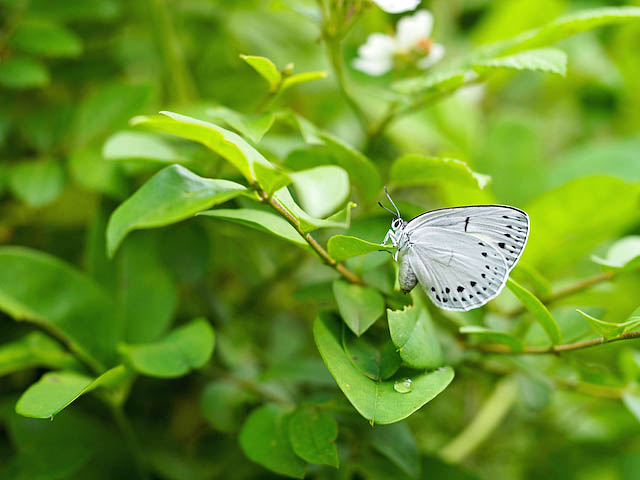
403, 386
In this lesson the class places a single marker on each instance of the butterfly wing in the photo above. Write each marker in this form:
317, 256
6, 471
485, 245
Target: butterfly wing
457, 270
503, 227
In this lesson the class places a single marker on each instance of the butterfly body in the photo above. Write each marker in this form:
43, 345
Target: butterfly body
461, 256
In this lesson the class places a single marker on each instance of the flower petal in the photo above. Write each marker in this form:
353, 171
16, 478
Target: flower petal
397, 6
410, 30
377, 46
373, 66
435, 55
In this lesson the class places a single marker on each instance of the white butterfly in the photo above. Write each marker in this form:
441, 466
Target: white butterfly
461, 256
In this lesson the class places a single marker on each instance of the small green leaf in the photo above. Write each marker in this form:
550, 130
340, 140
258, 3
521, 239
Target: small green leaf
186, 347
57, 390
378, 402
310, 133
304, 77
23, 72
622, 255
222, 405
89, 170
46, 39
515, 344
413, 334
34, 350
378, 362
396, 442
59, 298
260, 220
359, 306
538, 310
321, 190
140, 146
225, 143
550, 60
610, 330
312, 434
264, 439
171, 195
410, 170
37, 183
342, 247
266, 69
271, 179
254, 126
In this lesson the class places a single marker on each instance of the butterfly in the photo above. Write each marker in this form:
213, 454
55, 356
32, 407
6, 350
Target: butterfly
461, 256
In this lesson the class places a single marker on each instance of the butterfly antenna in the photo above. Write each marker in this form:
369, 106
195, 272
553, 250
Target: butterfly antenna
394, 205
390, 211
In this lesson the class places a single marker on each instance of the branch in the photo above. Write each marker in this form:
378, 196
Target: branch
568, 291
315, 246
567, 347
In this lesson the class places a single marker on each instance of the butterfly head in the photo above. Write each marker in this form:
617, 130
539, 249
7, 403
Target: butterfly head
397, 224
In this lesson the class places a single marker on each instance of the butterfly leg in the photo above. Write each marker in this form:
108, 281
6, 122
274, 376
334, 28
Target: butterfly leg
387, 237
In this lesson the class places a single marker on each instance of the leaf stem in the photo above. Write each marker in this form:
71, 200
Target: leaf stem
491, 413
567, 347
313, 243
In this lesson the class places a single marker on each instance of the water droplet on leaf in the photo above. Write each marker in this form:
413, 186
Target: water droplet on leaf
403, 386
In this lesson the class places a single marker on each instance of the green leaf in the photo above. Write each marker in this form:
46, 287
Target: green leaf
342, 247
435, 82
308, 223
265, 440
312, 434
89, 170
310, 133
396, 442
37, 183
413, 334
140, 146
378, 402
362, 172
537, 309
359, 306
260, 220
304, 77
266, 69
622, 255
186, 347
61, 300
378, 362
23, 72
271, 179
57, 390
549, 60
565, 235
321, 190
254, 126
109, 107
410, 170
225, 143
515, 344
34, 350
632, 402
222, 405
147, 296
171, 195
46, 39
563, 27
610, 330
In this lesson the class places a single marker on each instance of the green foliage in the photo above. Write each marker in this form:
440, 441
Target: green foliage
253, 204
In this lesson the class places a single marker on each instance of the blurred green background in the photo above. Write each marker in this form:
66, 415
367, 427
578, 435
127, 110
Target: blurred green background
566, 149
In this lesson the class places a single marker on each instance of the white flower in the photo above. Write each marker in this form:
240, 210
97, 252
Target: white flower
411, 41
397, 6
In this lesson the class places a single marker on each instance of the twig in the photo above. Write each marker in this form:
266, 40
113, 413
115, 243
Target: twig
567, 347
316, 247
129, 436
568, 291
